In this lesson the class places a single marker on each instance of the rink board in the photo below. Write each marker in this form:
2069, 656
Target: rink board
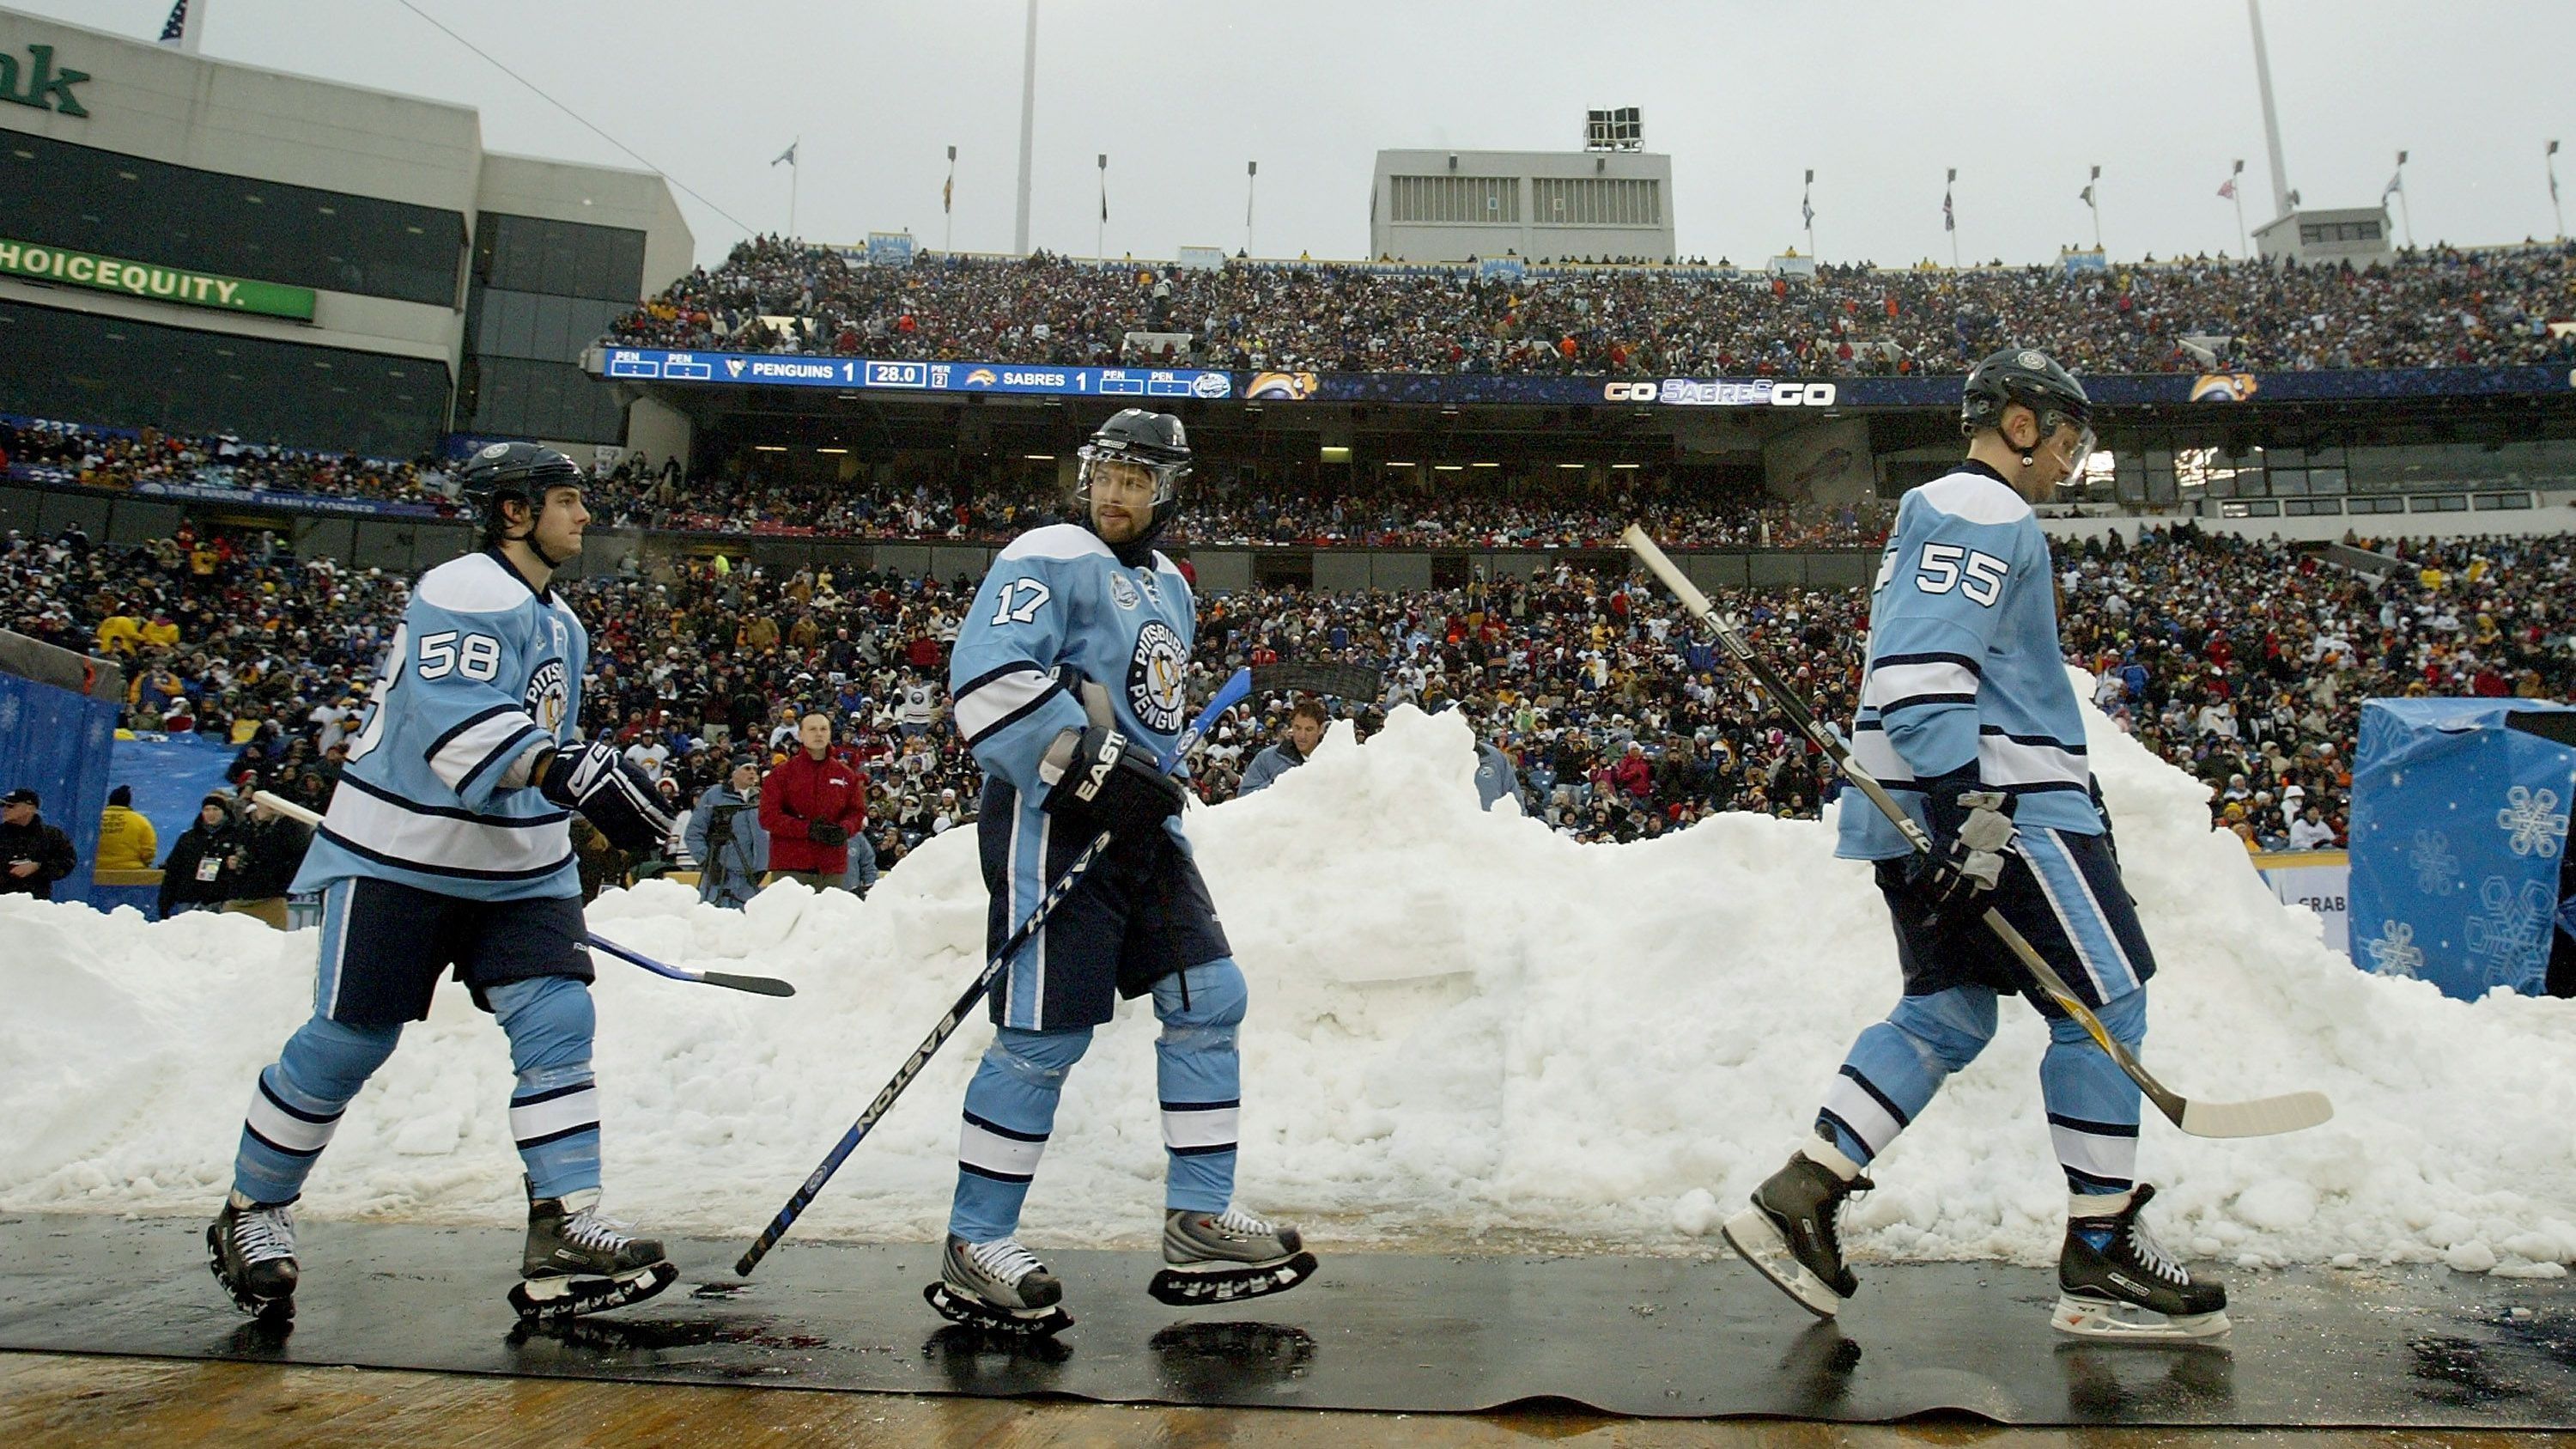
1649, 1337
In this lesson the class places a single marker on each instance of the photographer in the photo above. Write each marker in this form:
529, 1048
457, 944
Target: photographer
724, 834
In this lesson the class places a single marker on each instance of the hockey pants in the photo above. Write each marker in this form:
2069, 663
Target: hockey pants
554, 1105
1896, 1067
1010, 1105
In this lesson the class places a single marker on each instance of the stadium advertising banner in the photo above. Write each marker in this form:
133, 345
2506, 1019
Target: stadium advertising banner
1530, 390
859, 373
159, 283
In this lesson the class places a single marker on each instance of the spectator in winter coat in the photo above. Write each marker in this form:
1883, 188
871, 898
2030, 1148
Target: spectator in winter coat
270, 848
203, 862
33, 855
811, 805
126, 841
1305, 731
725, 835
861, 877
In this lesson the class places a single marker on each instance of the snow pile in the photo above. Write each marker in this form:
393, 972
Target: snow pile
1461, 1023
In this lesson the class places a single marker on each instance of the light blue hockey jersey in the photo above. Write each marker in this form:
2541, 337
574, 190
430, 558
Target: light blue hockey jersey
1965, 667
483, 670
1058, 618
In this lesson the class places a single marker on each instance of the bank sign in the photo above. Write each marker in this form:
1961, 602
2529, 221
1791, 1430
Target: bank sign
161, 284
862, 374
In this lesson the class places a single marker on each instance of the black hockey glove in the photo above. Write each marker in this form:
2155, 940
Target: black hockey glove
1110, 782
2102, 807
824, 832
617, 799
1972, 831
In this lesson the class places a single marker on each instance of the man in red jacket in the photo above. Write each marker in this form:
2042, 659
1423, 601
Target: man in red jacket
811, 805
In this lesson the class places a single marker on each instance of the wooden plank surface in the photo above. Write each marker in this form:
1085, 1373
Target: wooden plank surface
49, 1400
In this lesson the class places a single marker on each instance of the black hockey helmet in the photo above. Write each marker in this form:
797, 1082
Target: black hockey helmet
1155, 440
2032, 378
511, 470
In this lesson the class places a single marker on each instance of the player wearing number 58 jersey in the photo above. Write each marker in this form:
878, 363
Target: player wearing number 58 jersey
447, 844
1967, 716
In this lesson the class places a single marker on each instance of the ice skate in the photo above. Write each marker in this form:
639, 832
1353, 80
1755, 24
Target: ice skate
1790, 1234
580, 1262
999, 1286
1227, 1257
250, 1248
2116, 1282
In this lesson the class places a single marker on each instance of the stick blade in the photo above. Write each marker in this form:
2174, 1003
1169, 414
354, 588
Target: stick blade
2263, 1117
756, 985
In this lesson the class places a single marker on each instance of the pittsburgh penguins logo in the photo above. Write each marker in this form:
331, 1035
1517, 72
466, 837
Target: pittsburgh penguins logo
546, 699
1154, 678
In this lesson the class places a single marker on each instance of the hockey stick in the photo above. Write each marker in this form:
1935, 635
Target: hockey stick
756, 985
1227, 696
2263, 1117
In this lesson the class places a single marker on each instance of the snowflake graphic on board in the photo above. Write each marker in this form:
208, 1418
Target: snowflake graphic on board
2436, 869
2394, 952
2509, 937
8, 712
2531, 822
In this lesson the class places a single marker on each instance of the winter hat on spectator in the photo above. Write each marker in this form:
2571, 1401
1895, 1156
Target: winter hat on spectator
20, 796
121, 795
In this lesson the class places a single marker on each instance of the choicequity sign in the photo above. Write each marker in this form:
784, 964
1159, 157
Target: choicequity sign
161, 284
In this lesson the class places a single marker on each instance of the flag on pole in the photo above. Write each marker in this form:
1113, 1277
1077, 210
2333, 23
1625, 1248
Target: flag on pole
948, 195
2087, 195
788, 155
1104, 186
1949, 218
1806, 205
2396, 186
185, 25
2227, 189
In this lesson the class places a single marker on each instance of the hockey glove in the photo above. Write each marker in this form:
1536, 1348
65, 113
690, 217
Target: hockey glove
1972, 831
617, 799
1108, 781
824, 832
2102, 807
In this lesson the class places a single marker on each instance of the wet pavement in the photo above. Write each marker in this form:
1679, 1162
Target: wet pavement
1649, 1337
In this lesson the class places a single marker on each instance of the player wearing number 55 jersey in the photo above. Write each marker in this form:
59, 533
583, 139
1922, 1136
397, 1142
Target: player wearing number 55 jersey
1966, 715
447, 844
1067, 681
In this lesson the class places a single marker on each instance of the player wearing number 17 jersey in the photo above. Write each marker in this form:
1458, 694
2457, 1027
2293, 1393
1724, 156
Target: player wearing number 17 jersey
447, 844
1068, 679
1967, 717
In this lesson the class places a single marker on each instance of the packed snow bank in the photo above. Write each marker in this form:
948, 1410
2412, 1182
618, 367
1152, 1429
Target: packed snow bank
1461, 1023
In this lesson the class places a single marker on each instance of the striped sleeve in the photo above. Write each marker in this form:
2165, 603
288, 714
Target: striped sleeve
1002, 683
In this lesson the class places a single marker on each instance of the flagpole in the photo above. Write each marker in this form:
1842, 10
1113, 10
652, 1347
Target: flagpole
1807, 212
948, 207
2405, 213
1251, 179
1100, 233
792, 169
2093, 203
2551, 156
2236, 193
1028, 113
1950, 216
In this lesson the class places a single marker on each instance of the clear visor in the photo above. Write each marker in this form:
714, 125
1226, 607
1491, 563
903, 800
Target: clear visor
1165, 476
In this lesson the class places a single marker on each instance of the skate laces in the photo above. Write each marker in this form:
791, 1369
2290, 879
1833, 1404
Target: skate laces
2151, 1255
1004, 1259
262, 1234
1242, 1224
589, 1229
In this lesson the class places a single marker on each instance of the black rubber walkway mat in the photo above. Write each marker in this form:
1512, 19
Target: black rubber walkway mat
1374, 1331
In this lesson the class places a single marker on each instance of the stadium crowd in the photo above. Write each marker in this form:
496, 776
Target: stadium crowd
2244, 662
2430, 307
1230, 509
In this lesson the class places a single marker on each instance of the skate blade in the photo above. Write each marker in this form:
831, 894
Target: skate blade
1759, 1243
1230, 1283
568, 1296
277, 1310
2103, 1318
958, 1307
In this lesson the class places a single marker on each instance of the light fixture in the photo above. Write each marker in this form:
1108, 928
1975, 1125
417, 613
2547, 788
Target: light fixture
1489, 465
1623, 465
1393, 464
1573, 467
831, 450
1332, 454
768, 448
1448, 468
1039, 457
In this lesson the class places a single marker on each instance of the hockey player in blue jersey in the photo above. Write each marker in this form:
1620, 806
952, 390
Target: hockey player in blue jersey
447, 844
1966, 715
1067, 682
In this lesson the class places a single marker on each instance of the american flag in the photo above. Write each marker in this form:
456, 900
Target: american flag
2227, 188
174, 31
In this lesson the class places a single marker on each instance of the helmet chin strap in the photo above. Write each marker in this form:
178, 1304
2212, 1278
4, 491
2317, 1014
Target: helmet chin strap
530, 539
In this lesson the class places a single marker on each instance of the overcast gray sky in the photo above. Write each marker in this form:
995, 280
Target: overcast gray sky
1879, 98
